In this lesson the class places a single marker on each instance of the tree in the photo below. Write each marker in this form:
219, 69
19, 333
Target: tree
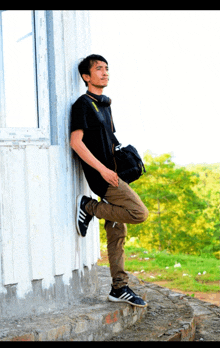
174, 207
184, 206
208, 188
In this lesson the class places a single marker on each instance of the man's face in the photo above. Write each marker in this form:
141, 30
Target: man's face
99, 75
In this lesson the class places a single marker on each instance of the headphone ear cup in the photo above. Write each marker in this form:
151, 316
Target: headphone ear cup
105, 101
101, 99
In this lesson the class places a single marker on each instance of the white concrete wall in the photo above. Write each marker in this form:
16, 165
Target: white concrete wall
39, 185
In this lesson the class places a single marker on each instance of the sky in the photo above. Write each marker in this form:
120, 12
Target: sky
164, 80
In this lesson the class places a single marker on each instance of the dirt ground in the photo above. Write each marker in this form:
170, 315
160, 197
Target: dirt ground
213, 298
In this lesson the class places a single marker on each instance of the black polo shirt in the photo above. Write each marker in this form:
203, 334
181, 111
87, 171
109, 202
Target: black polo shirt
95, 137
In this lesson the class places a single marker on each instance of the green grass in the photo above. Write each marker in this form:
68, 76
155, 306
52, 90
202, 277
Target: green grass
190, 266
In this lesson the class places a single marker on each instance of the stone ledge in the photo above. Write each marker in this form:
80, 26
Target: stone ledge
170, 316
93, 318
173, 316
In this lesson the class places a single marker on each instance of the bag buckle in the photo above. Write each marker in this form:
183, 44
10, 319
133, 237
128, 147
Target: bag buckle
118, 147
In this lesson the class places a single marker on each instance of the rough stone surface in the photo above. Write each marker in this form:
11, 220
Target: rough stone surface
170, 316
58, 297
91, 318
173, 316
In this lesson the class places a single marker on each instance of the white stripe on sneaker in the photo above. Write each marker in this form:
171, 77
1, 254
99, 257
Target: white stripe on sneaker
126, 296
83, 213
83, 216
129, 298
123, 295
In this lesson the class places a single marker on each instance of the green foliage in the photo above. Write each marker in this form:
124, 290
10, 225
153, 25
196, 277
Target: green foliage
184, 216
184, 207
194, 273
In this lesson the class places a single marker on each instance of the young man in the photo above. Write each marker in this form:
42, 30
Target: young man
119, 204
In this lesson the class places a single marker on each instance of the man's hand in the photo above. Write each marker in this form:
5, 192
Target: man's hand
110, 176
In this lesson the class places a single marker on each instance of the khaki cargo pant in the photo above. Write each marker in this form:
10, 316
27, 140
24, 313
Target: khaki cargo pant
124, 206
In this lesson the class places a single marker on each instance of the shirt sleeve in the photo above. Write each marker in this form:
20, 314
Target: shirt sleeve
79, 115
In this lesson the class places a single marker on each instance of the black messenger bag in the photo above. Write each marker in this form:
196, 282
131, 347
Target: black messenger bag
128, 161
129, 164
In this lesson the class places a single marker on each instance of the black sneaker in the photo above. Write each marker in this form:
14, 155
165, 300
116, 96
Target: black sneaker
82, 217
125, 294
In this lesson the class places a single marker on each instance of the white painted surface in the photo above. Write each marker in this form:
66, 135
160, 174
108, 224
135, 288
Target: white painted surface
39, 185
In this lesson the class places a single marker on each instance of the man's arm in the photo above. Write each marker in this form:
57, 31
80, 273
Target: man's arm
80, 148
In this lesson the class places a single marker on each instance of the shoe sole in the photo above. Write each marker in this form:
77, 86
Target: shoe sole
78, 202
114, 299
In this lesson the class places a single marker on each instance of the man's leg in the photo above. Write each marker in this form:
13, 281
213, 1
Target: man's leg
124, 206
121, 205
116, 240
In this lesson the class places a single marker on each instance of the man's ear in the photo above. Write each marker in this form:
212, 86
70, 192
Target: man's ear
86, 77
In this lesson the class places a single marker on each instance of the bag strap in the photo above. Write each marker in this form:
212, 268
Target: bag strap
101, 119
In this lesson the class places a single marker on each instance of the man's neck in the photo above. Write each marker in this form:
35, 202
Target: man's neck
95, 90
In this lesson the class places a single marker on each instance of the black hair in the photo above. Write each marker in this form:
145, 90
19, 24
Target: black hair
86, 64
